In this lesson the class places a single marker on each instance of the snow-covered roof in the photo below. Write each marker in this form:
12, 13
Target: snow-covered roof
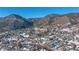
24, 35
66, 30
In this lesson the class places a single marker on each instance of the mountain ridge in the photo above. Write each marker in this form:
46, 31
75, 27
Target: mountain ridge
14, 21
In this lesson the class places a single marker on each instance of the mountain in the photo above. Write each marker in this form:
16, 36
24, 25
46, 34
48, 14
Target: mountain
54, 19
13, 22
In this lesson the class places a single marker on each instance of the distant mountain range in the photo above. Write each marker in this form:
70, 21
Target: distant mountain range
13, 21
54, 19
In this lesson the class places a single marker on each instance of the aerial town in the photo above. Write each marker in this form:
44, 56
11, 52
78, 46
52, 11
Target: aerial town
52, 37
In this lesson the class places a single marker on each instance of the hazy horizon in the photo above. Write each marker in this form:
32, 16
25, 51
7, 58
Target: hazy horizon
36, 12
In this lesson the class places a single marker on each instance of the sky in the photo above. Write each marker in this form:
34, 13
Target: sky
36, 12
